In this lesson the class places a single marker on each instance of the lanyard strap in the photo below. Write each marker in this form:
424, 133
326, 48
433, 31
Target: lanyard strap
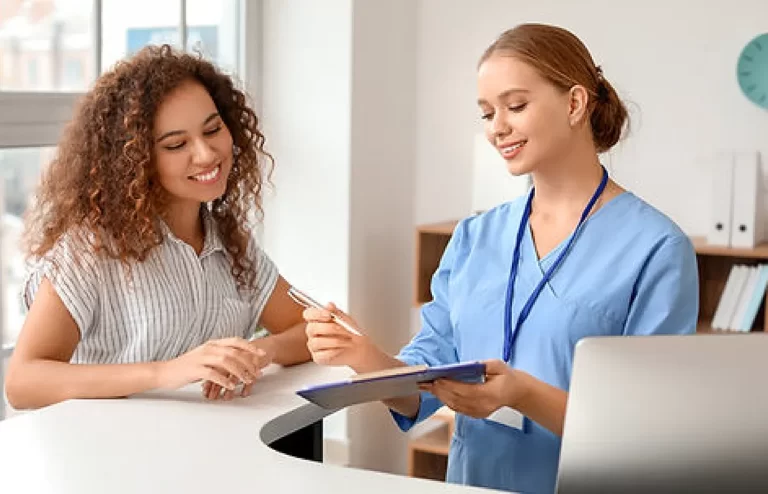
509, 335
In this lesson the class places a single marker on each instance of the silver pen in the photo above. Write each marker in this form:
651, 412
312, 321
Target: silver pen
305, 300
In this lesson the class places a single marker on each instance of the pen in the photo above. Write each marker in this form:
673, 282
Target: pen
305, 300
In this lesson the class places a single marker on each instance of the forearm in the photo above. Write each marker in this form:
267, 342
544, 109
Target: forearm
39, 383
376, 360
543, 403
289, 347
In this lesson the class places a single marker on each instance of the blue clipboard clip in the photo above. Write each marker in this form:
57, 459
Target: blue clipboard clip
390, 383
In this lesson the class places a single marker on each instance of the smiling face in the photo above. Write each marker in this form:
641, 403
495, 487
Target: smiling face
193, 147
527, 119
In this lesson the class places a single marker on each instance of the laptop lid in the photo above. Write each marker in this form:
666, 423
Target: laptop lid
667, 414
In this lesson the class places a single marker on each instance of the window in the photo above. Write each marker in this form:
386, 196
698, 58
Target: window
50, 52
19, 170
36, 37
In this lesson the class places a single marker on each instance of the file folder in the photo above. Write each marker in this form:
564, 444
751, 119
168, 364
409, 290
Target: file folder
747, 229
719, 231
390, 383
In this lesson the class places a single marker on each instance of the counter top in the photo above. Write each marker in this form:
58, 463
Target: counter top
176, 441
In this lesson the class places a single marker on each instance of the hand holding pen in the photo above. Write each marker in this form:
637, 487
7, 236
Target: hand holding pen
332, 336
308, 302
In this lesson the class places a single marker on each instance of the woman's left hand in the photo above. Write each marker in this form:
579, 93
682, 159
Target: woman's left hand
503, 386
266, 352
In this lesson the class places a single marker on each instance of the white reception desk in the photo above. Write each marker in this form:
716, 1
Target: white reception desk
178, 442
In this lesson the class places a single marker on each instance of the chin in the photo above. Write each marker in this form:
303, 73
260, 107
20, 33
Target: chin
518, 167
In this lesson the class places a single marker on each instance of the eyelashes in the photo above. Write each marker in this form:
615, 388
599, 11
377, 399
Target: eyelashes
514, 109
210, 132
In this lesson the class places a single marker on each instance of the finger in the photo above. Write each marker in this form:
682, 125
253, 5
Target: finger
262, 360
246, 391
325, 357
206, 388
213, 374
316, 315
341, 314
494, 367
446, 389
214, 392
237, 343
232, 362
458, 388
316, 330
229, 394
327, 344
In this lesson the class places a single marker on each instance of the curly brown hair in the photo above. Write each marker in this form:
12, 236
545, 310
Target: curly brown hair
101, 186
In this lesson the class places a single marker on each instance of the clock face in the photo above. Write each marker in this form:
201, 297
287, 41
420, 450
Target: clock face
752, 70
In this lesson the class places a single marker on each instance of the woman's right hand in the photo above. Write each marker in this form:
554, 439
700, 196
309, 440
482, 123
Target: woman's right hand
331, 344
226, 362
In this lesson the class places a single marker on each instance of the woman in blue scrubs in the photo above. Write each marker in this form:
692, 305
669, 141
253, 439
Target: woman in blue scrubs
520, 284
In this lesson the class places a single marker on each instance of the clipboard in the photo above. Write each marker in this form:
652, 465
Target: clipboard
390, 383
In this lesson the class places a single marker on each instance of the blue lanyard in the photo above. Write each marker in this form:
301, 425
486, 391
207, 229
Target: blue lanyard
509, 335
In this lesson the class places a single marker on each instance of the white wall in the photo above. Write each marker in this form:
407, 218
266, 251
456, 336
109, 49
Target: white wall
674, 62
382, 195
306, 109
338, 107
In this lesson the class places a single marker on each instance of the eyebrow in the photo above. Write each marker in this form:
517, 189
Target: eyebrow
177, 132
504, 94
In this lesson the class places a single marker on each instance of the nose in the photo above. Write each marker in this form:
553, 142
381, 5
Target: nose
202, 153
498, 126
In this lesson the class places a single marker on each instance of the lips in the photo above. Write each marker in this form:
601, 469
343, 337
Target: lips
511, 149
208, 176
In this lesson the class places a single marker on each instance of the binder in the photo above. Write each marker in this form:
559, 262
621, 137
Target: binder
758, 294
719, 231
720, 319
747, 229
744, 298
730, 298
390, 383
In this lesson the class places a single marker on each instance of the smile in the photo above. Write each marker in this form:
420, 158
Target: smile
207, 176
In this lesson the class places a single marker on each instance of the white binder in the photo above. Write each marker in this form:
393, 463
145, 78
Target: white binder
719, 231
747, 224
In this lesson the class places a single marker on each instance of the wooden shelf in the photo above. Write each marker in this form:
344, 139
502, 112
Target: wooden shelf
435, 441
702, 247
428, 453
431, 241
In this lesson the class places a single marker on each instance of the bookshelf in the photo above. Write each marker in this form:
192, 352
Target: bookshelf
428, 453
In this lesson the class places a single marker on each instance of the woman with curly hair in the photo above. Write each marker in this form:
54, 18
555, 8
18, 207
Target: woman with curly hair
145, 274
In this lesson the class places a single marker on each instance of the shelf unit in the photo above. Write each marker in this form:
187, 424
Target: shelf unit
428, 453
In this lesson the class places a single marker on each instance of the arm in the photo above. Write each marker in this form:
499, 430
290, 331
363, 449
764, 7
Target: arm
505, 386
40, 374
330, 344
666, 294
287, 342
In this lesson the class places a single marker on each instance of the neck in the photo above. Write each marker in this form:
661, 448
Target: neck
186, 224
564, 188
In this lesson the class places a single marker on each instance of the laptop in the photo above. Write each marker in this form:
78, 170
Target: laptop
667, 414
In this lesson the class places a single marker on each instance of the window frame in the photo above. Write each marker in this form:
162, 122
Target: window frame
35, 119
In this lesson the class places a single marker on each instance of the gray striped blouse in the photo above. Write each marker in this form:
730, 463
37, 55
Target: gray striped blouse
171, 303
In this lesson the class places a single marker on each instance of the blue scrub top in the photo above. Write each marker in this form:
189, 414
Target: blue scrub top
631, 271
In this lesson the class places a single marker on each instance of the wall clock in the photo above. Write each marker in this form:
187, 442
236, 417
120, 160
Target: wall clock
752, 70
